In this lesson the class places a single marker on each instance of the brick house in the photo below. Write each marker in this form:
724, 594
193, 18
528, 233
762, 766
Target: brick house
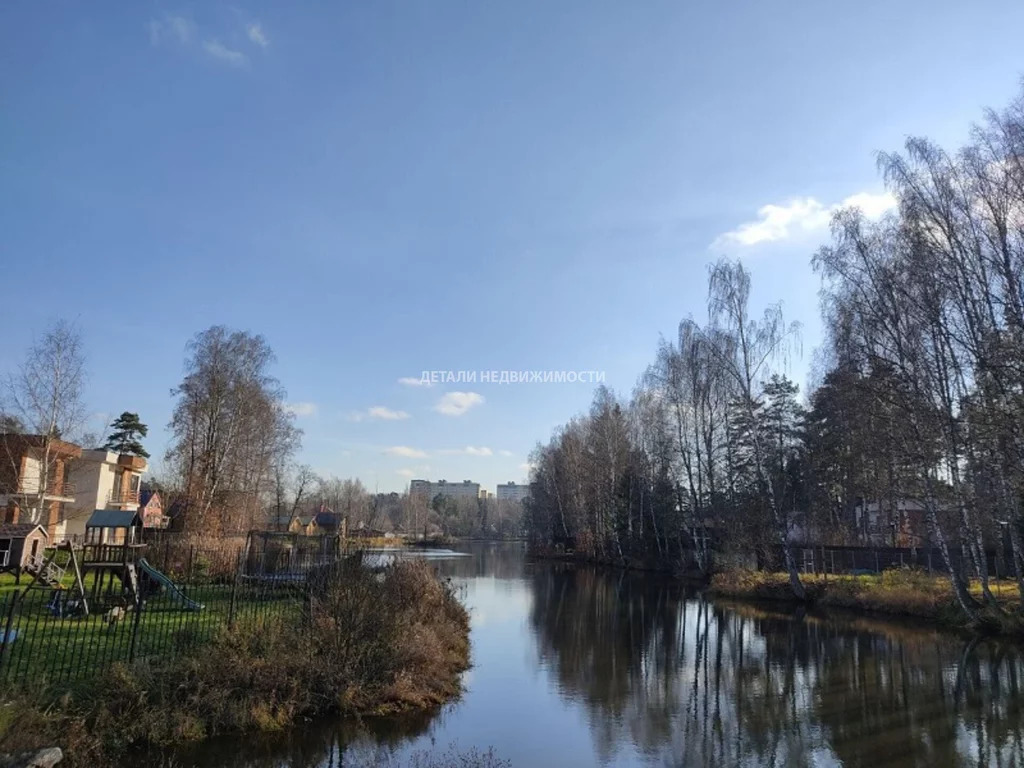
35, 480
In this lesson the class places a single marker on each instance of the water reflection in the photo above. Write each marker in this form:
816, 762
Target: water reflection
690, 682
580, 667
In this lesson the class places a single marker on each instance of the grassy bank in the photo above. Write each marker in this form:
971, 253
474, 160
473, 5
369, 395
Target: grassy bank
903, 592
361, 644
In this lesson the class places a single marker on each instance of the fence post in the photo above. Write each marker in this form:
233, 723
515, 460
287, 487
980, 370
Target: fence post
135, 630
234, 590
5, 650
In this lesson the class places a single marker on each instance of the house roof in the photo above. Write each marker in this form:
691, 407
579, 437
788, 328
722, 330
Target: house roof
328, 519
16, 441
18, 530
145, 496
113, 518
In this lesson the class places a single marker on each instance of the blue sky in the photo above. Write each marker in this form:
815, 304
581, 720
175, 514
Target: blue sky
384, 188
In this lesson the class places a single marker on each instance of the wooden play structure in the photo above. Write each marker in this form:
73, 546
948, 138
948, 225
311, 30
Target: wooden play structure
48, 574
20, 546
113, 545
113, 555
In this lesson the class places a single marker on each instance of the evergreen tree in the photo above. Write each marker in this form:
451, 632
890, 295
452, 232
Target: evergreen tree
125, 437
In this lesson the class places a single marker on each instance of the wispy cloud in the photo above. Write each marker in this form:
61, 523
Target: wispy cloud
174, 30
301, 409
410, 381
457, 403
378, 413
469, 450
387, 414
405, 452
171, 29
256, 34
405, 472
506, 453
221, 52
526, 467
799, 216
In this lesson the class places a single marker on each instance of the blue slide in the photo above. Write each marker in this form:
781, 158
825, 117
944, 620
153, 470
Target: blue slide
172, 589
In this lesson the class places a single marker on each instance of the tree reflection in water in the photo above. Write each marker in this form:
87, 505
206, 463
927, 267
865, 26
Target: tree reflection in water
691, 682
665, 678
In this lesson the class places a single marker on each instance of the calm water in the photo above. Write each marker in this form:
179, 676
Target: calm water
579, 667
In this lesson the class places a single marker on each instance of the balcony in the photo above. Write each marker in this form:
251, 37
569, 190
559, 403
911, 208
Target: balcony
122, 498
56, 489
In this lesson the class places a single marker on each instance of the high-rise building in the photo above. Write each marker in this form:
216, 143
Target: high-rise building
467, 489
512, 491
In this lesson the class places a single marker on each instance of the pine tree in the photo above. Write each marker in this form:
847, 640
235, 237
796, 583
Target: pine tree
125, 437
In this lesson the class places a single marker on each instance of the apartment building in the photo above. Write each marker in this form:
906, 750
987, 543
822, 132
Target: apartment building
34, 479
103, 480
513, 491
467, 489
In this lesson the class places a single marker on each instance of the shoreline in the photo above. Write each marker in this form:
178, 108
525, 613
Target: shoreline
898, 594
907, 595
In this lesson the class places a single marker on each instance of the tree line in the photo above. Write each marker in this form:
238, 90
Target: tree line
921, 395
231, 463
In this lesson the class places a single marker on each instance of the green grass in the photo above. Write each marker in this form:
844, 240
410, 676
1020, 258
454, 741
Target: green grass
55, 649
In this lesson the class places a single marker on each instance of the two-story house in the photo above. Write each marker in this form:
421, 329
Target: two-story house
103, 480
34, 479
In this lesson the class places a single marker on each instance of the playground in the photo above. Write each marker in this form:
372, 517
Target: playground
77, 609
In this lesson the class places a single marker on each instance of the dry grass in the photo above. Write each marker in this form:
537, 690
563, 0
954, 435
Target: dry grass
902, 592
369, 643
376, 542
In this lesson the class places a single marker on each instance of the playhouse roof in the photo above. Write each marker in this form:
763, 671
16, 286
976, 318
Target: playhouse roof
114, 518
18, 530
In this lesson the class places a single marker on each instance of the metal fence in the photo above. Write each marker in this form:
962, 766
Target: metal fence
177, 595
866, 559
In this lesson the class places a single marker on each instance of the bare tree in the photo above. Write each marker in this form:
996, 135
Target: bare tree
230, 428
44, 399
744, 347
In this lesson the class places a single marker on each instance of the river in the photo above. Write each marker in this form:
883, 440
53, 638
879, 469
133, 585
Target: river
576, 666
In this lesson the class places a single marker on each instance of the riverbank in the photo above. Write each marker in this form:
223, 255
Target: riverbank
905, 593
644, 565
364, 645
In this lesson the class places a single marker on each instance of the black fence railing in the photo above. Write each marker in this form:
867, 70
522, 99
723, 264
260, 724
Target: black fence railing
162, 599
831, 559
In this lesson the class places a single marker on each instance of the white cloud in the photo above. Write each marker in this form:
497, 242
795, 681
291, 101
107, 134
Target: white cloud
506, 453
170, 28
405, 472
406, 452
300, 409
800, 215
469, 450
387, 414
526, 467
410, 381
871, 205
457, 403
221, 52
257, 35
378, 413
